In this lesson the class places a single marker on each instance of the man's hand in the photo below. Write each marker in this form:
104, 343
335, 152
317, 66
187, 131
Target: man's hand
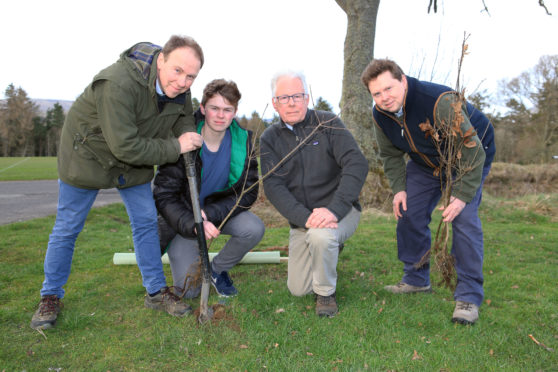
189, 141
321, 218
453, 209
211, 232
399, 200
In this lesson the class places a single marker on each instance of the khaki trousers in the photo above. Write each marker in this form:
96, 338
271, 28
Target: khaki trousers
313, 255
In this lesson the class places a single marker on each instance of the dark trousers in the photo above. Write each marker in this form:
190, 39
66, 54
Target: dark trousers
414, 236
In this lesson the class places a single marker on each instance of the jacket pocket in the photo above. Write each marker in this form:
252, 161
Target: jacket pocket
94, 147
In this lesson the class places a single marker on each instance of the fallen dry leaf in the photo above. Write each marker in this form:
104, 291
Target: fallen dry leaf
281, 310
243, 346
309, 353
416, 356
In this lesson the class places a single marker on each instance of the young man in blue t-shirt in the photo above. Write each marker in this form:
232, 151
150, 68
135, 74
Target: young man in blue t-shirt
225, 166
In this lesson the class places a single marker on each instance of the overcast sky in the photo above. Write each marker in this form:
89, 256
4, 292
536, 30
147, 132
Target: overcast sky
52, 49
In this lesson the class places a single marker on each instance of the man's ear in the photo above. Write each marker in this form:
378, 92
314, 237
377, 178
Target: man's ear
202, 109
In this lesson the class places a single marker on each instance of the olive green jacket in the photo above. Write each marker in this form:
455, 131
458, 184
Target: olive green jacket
114, 133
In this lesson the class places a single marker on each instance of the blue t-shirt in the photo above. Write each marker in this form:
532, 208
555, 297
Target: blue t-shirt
216, 168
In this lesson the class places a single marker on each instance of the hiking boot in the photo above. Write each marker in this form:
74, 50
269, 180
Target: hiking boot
223, 284
166, 300
46, 314
326, 306
465, 313
407, 288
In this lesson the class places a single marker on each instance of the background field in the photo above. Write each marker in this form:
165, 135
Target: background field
104, 325
28, 169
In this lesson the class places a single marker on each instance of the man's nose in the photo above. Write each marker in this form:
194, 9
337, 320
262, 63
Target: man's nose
183, 82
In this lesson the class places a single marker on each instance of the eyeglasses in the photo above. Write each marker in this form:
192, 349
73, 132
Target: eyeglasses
298, 97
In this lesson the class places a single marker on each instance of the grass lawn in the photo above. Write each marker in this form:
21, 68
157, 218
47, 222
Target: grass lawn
28, 169
104, 325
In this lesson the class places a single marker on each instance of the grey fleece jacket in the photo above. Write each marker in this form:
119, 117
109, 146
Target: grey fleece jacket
328, 170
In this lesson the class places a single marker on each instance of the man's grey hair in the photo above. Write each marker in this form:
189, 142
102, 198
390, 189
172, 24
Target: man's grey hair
290, 74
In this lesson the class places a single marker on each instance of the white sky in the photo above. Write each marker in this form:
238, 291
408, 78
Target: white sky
52, 49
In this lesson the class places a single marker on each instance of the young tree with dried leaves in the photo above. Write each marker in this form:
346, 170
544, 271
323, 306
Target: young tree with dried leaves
428, 124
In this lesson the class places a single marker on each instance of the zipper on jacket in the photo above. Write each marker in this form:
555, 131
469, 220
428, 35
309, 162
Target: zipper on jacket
303, 174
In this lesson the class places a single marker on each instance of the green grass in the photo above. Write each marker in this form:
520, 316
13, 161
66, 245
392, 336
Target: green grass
104, 325
28, 169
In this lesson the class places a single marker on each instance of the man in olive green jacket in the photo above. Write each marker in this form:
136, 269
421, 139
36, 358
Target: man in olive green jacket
135, 114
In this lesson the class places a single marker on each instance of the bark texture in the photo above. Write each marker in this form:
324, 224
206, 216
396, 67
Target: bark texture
356, 103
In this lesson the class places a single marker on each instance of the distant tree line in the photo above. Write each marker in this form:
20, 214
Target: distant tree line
526, 133
23, 131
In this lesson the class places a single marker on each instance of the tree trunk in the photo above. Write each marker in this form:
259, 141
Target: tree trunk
356, 103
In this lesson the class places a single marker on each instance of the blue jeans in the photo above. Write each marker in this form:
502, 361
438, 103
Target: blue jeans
414, 237
74, 205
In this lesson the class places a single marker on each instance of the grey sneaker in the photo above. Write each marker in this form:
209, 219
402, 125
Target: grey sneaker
166, 300
326, 306
465, 313
407, 288
46, 314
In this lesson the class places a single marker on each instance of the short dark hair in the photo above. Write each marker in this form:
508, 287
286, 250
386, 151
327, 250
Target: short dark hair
178, 41
227, 89
379, 66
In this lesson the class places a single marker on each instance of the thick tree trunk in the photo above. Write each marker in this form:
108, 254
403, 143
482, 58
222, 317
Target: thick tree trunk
356, 103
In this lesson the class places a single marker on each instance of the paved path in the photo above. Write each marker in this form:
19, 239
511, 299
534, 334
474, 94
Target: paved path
25, 200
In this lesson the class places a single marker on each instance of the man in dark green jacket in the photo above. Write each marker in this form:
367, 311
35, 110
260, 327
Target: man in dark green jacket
135, 114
